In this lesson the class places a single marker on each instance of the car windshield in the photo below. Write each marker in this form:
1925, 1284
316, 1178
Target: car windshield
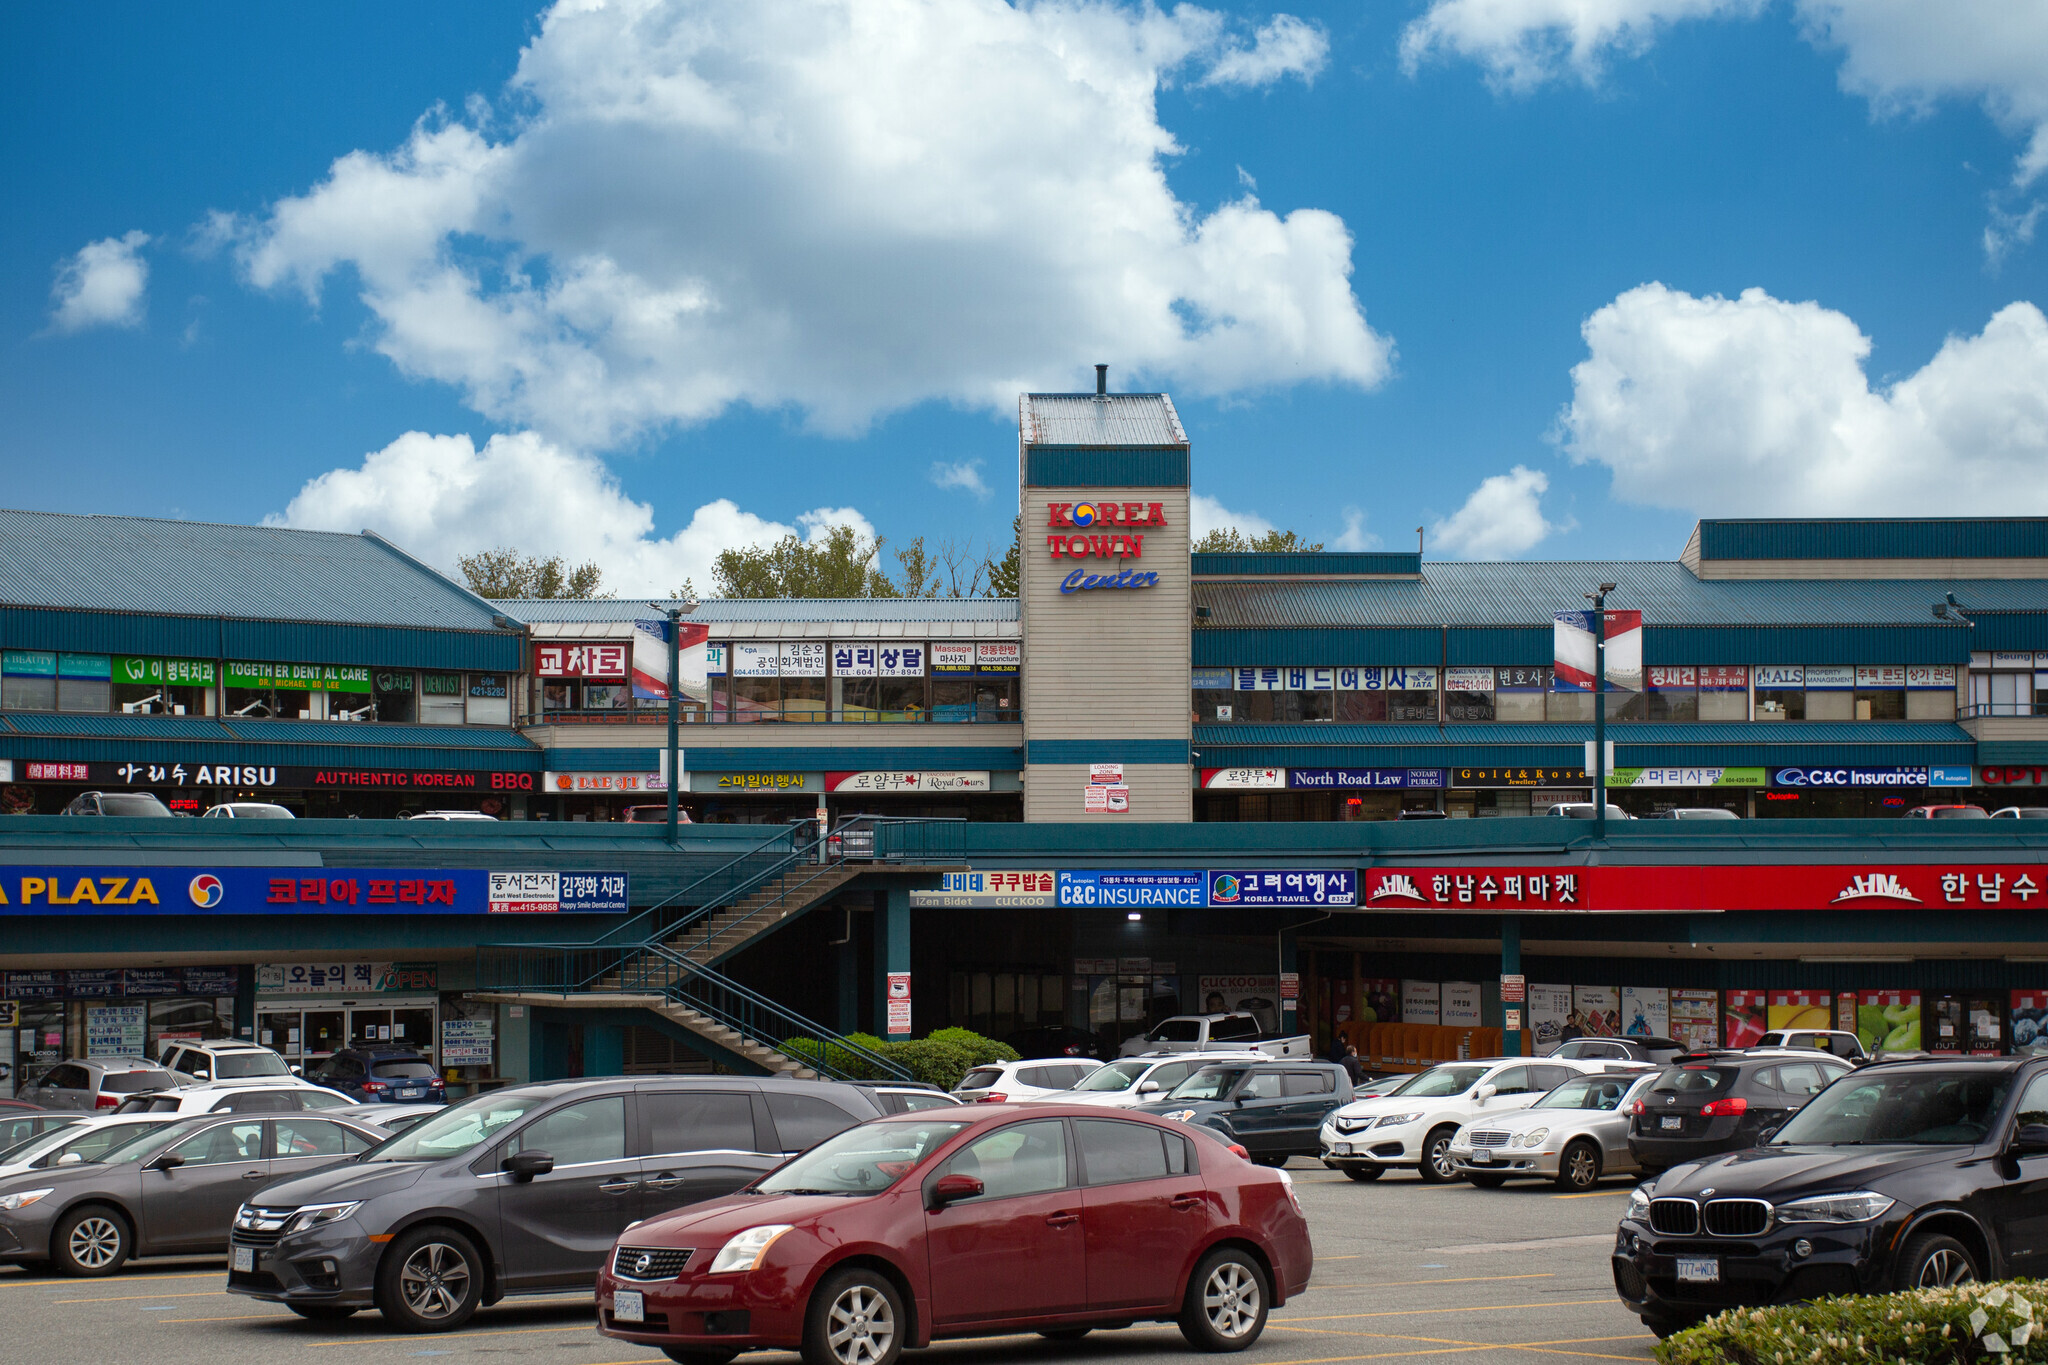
22, 1150
101, 1144
1439, 1081
1210, 1083
260, 812
1115, 1076
863, 1160
228, 1066
1921, 1106
135, 1082
1587, 1092
455, 1130
132, 805
1695, 1080
402, 1070
1176, 1031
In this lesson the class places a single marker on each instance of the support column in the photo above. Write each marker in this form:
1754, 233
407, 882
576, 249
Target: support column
849, 975
1290, 961
1511, 965
604, 1049
892, 954
245, 1004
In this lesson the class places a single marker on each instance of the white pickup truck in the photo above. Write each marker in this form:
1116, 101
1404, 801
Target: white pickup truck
1238, 1032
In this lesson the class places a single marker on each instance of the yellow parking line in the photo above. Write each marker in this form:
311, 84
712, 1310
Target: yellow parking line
1480, 1308
1464, 1279
65, 1280
239, 1317
590, 1326
1594, 1194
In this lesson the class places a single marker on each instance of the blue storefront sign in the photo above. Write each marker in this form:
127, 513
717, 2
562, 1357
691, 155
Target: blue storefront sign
1293, 886
1903, 775
1362, 779
1958, 776
1132, 890
45, 890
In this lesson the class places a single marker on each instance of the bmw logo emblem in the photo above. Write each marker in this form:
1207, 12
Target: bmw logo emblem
206, 891
1707, 1191
1084, 514
644, 1264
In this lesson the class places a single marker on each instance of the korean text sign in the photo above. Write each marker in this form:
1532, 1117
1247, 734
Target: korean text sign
1293, 886
1830, 886
1132, 890
46, 890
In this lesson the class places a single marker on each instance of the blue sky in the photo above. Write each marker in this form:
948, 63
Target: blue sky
692, 307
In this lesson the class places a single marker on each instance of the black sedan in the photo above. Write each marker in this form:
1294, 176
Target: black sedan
1723, 1102
1902, 1175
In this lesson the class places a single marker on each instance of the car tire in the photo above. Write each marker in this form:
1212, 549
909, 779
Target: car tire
1578, 1166
855, 1318
1485, 1180
322, 1312
91, 1241
431, 1280
698, 1355
1435, 1168
1365, 1173
1934, 1260
1225, 1306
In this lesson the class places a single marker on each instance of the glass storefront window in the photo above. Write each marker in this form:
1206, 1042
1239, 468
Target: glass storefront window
396, 693
490, 699
558, 696
1781, 704
1881, 704
28, 694
150, 699
1570, 706
1671, 703
441, 700
804, 699
1468, 706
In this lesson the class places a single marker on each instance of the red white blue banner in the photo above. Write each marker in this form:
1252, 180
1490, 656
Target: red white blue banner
1576, 652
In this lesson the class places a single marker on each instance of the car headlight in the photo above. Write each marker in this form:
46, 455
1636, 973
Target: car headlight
1533, 1137
745, 1250
1638, 1205
1859, 1207
315, 1215
1396, 1120
1179, 1115
21, 1199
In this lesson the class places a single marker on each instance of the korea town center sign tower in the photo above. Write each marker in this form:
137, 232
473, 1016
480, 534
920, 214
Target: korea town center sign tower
1104, 600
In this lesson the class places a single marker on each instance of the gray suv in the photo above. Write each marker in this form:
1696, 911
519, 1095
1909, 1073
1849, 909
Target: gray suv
518, 1191
97, 1083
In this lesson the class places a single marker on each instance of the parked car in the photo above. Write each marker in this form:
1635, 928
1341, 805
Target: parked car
1236, 1031
1899, 1175
655, 815
1583, 810
1055, 1040
1411, 1126
1698, 813
1648, 1051
1380, 1085
221, 1060
1840, 1042
172, 1189
1723, 1102
381, 1075
24, 1127
1948, 812
390, 1118
2020, 813
906, 1097
998, 1082
1272, 1109
448, 815
268, 1095
1131, 1081
1573, 1136
98, 1083
83, 1141
128, 805
519, 1190
248, 810
819, 1255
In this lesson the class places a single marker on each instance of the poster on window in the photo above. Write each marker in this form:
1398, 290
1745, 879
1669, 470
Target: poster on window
115, 1030
1421, 1002
1597, 1011
1549, 1008
1743, 1020
1889, 1021
1645, 1012
802, 659
1461, 1004
1379, 1000
1696, 1018
1801, 1009
1258, 996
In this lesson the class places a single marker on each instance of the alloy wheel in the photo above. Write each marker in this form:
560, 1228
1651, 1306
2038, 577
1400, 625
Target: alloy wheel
861, 1325
94, 1242
1580, 1168
434, 1280
1440, 1159
1943, 1269
1231, 1299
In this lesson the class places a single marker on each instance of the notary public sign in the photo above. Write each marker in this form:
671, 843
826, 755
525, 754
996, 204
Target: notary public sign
1832, 886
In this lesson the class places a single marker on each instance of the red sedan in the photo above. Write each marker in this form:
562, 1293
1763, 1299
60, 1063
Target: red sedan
1049, 1218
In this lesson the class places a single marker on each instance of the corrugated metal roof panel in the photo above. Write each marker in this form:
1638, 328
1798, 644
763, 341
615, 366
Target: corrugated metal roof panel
1088, 419
1100, 467
233, 728
1842, 734
185, 568
1876, 538
1637, 744
1312, 563
165, 727
64, 748
771, 610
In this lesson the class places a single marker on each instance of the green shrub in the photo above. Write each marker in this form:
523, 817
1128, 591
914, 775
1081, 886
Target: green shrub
1973, 1322
984, 1051
820, 1056
932, 1061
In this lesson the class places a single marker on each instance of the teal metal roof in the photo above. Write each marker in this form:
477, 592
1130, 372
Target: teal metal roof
1426, 646
147, 566
1637, 744
747, 611
1310, 563
1874, 538
94, 738
1100, 420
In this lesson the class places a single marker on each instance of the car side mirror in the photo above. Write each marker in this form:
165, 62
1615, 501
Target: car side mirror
2032, 1138
203, 1074
71, 1159
950, 1189
524, 1166
1148, 1087
1486, 1092
1763, 1139
169, 1161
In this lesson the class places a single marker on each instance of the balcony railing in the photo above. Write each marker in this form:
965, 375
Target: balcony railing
2002, 708
788, 713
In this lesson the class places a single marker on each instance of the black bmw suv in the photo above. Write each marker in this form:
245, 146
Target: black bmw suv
1898, 1175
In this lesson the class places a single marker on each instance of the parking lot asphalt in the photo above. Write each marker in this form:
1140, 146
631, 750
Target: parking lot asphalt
1404, 1271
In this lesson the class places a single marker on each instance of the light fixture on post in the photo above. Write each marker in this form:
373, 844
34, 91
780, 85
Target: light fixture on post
675, 612
1599, 773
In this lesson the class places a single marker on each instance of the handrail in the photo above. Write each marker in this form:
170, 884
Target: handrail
782, 833
804, 1027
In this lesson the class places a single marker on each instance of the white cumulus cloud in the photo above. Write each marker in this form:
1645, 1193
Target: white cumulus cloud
1503, 517
1206, 514
440, 497
101, 286
844, 207
1758, 406
964, 475
1522, 43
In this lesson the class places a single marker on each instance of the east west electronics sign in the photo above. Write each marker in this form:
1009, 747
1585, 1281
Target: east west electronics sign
1698, 889
304, 891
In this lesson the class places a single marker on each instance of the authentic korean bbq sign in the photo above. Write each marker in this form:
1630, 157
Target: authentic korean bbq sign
304, 891
1706, 888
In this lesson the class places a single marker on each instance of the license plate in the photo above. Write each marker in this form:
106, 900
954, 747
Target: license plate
1699, 1269
1342, 1149
1671, 1121
629, 1306
410, 1094
1481, 1158
244, 1260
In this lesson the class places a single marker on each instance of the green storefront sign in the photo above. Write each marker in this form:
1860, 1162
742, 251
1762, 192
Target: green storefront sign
299, 677
165, 672
1687, 777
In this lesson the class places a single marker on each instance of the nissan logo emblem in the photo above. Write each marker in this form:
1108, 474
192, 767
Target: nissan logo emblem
643, 1264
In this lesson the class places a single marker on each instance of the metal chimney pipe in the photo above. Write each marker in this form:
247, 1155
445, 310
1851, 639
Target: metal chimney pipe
1101, 379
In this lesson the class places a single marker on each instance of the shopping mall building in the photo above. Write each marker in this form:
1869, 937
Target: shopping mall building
1152, 782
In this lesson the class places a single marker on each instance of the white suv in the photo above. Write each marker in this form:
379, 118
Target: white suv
269, 1095
1132, 1081
1412, 1126
222, 1061
998, 1082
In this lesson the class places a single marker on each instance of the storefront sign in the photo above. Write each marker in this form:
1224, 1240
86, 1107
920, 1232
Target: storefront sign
2010, 776
1830, 678
1468, 680
1361, 779
548, 893
1779, 677
952, 659
1687, 777
116, 1030
1931, 677
317, 978
1421, 1002
1243, 779
264, 891
298, 677
1330, 678
467, 1042
907, 782
142, 672
604, 782
29, 663
1899, 776
992, 890
999, 656
612, 659
1109, 520
198, 771
802, 658
56, 772
1247, 887
757, 782
1461, 1004
1131, 890
1124, 578
1708, 888
1518, 777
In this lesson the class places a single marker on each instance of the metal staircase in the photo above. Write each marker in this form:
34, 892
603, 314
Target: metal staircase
664, 959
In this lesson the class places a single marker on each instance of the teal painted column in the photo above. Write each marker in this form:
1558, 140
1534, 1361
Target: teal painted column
892, 955
245, 1003
1511, 965
849, 981
604, 1049
1290, 964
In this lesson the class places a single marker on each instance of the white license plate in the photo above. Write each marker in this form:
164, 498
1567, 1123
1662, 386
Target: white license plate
629, 1306
1671, 1121
1481, 1158
244, 1260
1341, 1148
1699, 1269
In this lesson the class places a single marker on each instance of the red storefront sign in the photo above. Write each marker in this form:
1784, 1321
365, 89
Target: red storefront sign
1848, 886
582, 660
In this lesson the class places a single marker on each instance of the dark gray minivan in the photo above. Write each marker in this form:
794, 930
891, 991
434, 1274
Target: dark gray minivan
518, 1191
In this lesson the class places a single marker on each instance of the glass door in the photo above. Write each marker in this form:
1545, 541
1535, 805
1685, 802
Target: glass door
282, 1031
413, 1026
321, 1036
369, 1027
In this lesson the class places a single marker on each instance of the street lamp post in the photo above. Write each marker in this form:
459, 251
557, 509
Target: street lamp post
675, 611
1599, 773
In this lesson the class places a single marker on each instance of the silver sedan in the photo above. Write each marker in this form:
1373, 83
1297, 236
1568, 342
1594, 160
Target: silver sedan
1573, 1135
